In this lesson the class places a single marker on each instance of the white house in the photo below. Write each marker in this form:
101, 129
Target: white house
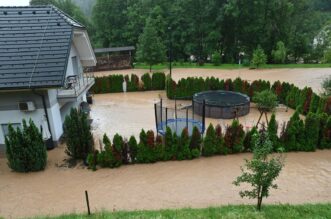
42, 55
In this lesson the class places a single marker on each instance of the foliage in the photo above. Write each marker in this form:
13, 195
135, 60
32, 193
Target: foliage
312, 126
195, 142
107, 158
259, 57
326, 135
25, 148
326, 85
133, 147
150, 48
209, 142
293, 137
158, 81
261, 170
92, 160
279, 55
248, 140
147, 81
327, 56
234, 137
216, 58
265, 100
184, 152
78, 135
273, 133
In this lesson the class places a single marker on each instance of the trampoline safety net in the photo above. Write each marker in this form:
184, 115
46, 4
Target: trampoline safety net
178, 119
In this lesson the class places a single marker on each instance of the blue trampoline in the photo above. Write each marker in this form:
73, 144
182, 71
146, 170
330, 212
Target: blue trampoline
177, 119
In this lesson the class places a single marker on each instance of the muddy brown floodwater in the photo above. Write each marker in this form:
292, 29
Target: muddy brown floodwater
198, 183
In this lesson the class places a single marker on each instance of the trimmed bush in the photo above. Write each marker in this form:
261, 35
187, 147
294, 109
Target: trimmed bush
216, 58
248, 143
259, 57
168, 155
234, 137
209, 142
107, 158
158, 81
78, 135
220, 146
265, 100
147, 81
326, 135
184, 152
25, 148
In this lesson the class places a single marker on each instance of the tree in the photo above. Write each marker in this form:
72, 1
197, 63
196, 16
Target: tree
273, 132
209, 142
78, 135
259, 57
261, 171
326, 85
234, 137
279, 55
266, 101
25, 148
293, 137
312, 126
327, 56
216, 58
150, 48
195, 142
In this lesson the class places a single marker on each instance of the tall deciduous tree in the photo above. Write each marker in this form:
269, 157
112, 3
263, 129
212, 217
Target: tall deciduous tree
150, 48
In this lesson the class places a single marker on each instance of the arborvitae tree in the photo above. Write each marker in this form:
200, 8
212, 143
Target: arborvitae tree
183, 146
209, 142
248, 143
261, 171
216, 58
106, 158
78, 135
273, 132
168, 144
150, 48
314, 103
195, 142
174, 147
25, 148
147, 81
237, 85
234, 137
220, 146
259, 57
326, 137
312, 126
293, 137
133, 148
118, 145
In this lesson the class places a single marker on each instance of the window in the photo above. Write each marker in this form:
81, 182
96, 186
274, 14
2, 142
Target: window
74, 65
5, 127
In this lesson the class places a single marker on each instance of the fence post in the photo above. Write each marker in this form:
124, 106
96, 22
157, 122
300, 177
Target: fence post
87, 203
155, 111
203, 115
187, 118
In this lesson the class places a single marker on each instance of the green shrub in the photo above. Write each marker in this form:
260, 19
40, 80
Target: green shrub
25, 148
327, 56
326, 135
133, 147
158, 81
293, 137
312, 126
259, 57
147, 81
234, 137
118, 146
92, 160
273, 133
168, 155
220, 146
195, 142
78, 135
265, 100
279, 55
145, 153
184, 152
133, 83
209, 142
248, 143
216, 58
107, 157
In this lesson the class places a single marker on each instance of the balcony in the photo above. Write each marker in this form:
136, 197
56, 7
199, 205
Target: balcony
75, 85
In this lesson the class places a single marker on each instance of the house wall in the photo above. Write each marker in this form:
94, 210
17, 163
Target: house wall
73, 52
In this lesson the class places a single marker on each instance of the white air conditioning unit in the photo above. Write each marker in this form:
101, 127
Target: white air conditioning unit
26, 106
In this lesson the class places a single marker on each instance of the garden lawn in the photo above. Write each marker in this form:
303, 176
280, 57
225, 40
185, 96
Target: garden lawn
232, 211
227, 66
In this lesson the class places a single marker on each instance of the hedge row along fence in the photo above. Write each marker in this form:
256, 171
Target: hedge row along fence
113, 83
303, 99
296, 135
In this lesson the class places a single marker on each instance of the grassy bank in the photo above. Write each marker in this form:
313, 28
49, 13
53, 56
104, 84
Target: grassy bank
228, 66
238, 211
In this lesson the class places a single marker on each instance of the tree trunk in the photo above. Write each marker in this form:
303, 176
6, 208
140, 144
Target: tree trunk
150, 68
259, 199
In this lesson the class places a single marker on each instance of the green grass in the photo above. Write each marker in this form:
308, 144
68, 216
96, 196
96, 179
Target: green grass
228, 66
235, 211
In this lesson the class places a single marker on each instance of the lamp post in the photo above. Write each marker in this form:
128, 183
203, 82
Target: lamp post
170, 51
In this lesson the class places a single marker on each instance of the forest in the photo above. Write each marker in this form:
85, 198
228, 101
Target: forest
286, 31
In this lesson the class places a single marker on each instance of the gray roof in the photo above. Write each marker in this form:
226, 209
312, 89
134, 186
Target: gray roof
35, 43
114, 49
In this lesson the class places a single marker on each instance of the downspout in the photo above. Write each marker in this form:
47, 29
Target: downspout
49, 142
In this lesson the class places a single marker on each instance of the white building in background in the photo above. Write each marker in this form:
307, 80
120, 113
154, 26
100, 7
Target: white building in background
42, 55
